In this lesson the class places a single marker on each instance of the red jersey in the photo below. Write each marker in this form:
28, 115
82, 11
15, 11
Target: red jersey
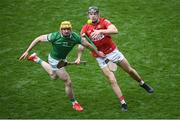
103, 42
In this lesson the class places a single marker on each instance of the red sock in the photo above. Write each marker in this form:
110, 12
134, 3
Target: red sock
121, 99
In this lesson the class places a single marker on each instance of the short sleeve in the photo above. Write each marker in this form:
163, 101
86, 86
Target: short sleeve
52, 36
83, 30
107, 23
77, 38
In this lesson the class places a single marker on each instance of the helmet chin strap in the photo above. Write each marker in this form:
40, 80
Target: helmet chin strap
94, 22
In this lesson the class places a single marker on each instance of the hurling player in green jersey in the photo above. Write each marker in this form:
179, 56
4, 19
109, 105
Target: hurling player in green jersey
62, 43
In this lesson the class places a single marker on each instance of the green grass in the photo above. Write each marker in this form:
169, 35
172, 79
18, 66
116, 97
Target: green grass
149, 38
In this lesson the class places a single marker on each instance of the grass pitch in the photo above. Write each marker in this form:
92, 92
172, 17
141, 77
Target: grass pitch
149, 38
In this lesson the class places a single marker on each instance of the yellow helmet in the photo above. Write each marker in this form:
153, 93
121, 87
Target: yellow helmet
65, 24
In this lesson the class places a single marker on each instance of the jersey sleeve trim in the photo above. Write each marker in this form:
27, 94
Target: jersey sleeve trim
49, 36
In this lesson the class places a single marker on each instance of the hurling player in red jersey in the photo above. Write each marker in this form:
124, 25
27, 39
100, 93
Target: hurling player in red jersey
99, 31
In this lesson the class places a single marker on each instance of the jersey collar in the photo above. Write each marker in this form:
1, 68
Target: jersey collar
96, 22
65, 37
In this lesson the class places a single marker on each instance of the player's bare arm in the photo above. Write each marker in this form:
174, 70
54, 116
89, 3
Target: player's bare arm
92, 48
110, 30
79, 53
41, 38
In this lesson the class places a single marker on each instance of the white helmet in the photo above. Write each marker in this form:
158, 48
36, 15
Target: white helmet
93, 9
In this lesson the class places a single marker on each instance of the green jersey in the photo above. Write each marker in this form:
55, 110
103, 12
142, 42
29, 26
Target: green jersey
61, 46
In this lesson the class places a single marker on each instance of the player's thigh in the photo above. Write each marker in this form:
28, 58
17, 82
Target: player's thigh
62, 74
109, 74
124, 64
115, 56
53, 62
53, 75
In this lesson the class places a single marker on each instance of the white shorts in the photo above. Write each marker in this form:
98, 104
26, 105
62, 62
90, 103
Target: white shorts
53, 62
114, 56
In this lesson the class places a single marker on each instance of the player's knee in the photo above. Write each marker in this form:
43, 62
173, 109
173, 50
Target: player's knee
67, 83
53, 76
66, 77
112, 80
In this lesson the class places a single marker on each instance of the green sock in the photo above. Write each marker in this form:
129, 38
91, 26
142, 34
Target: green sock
73, 100
40, 61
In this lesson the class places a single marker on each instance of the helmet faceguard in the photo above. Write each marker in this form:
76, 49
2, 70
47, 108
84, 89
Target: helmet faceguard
93, 14
93, 9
